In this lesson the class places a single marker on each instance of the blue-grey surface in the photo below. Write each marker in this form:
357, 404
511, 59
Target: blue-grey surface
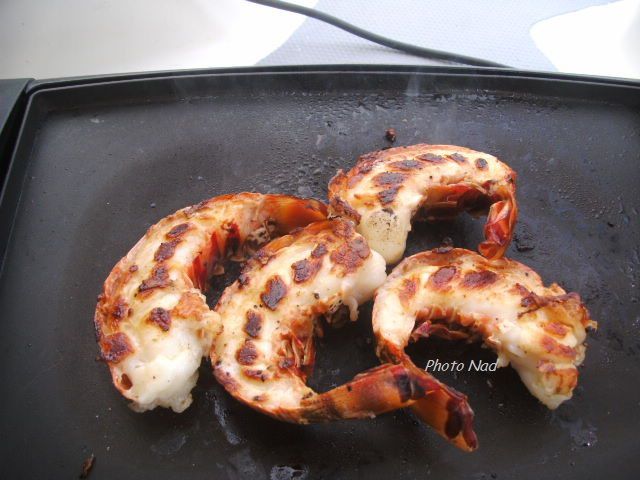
494, 30
9, 92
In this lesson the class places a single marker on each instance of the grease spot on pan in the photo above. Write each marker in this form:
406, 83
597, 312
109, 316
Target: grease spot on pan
289, 472
222, 416
582, 432
244, 466
169, 444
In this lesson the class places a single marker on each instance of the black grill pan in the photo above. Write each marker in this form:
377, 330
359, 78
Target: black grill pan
99, 160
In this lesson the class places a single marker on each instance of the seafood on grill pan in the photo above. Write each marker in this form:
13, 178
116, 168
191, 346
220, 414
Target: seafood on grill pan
388, 188
152, 321
264, 350
305, 271
458, 294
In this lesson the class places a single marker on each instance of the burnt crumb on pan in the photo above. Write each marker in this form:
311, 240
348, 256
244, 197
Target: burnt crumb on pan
87, 466
523, 238
390, 135
523, 244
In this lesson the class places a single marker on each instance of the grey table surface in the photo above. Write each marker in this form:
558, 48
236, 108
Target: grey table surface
496, 30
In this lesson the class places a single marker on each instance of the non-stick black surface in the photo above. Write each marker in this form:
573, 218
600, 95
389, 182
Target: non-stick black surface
97, 164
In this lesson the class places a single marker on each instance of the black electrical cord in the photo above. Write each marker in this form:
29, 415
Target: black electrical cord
379, 39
